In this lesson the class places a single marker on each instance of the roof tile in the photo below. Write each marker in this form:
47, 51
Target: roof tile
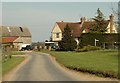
76, 26
8, 39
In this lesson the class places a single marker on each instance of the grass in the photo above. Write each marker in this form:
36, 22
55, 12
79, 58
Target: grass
101, 63
11, 63
0, 64
17, 53
0, 69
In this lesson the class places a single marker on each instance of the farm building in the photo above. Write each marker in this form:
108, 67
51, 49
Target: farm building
15, 36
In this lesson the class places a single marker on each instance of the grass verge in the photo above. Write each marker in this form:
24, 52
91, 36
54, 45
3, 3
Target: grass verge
11, 63
0, 70
100, 63
17, 53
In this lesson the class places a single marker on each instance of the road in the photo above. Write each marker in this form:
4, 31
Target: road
43, 67
40, 67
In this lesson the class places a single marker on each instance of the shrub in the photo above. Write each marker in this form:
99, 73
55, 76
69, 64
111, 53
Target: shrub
88, 48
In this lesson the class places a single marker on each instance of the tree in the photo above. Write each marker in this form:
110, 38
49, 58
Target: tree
68, 43
38, 46
99, 25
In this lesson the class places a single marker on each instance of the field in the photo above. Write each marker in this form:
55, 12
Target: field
101, 63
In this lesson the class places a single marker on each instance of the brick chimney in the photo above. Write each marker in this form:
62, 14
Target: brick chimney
82, 19
111, 23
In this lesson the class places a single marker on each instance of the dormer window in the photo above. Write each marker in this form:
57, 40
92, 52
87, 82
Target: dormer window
21, 29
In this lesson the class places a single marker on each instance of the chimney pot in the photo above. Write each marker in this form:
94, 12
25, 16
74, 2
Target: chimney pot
111, 17
83, 19
111, 23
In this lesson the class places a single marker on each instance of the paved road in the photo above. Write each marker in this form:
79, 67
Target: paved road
40, 67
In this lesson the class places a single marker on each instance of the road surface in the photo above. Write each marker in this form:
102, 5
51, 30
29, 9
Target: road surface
40, 67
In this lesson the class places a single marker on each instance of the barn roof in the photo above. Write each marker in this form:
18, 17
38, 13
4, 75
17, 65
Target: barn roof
10, 31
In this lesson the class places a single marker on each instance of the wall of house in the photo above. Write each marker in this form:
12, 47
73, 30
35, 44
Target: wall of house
83, 31
27, 40
56, 30
17, 45
108, 29
22, 40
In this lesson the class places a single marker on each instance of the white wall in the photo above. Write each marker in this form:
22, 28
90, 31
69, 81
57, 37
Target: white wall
108, 29
55, 30
22, 40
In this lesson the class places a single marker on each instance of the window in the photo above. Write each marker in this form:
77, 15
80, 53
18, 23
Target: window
57, 35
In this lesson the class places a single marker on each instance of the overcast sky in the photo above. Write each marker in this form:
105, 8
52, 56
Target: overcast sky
40, 17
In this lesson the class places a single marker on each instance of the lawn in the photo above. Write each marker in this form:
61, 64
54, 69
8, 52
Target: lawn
11, 63
101, 63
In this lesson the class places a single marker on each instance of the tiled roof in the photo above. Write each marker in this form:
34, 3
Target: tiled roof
87, 25
77, 27
8, 39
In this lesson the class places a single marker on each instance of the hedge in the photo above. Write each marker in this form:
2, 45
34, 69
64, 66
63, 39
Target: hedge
88, 48
89, 39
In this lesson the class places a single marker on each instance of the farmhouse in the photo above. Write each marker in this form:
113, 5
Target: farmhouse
15, 36
77, 28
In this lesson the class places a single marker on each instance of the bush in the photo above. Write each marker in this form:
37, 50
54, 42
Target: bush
88, 48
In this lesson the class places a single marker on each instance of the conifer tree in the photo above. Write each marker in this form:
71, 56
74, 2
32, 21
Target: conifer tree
68, 43
99, 26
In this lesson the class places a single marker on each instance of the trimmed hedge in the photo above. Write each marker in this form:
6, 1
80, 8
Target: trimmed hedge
88, 48
107, 38
110, 74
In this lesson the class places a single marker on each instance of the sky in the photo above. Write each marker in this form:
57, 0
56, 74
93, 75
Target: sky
59, 0
40, 17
